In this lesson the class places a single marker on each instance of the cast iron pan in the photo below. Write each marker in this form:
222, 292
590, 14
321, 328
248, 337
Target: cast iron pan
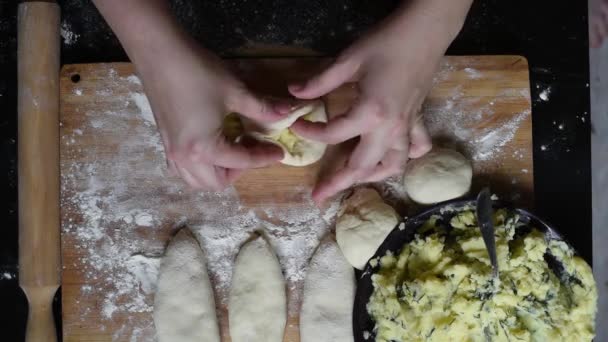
394, 242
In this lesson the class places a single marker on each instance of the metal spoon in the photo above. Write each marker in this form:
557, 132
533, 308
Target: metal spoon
486, 225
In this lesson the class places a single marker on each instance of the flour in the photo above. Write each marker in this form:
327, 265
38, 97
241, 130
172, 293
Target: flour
544, 95
141, 101
479, 143
113, 260
294, 233
473, 73
492, 141
145, 269
144, 219
133, 79
68, 36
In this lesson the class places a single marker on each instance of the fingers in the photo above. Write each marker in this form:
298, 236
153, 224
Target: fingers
236, 156
172, 168
208, 177
378, 155
225, 154
420, 140
371, 149
233, 174
204, 177
392, 164
339, 181
364, 117
331, 78
259, 109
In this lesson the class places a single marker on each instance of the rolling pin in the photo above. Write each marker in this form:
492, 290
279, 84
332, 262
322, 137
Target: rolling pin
38, 155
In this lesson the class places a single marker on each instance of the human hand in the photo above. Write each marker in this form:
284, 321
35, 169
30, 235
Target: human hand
394, 67
190, 97
190, 91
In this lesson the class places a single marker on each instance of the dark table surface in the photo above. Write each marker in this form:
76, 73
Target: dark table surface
551, 34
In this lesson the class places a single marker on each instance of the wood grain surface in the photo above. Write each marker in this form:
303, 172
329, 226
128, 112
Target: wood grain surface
38, 113
480, 105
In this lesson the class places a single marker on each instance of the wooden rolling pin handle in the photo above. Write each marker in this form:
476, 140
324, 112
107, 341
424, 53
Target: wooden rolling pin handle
40, 321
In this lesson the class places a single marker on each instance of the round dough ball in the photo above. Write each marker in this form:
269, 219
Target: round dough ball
438, 176
364, 221
298, 151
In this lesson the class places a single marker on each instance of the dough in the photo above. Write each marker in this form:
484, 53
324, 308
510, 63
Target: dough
364, 221
329, 293
298, 151
184, 308
257, 306
438, 176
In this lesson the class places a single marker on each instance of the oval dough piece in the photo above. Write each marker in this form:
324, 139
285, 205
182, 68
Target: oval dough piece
298, 151
363, 222
184, 307
438, 176
329, 293
257, 306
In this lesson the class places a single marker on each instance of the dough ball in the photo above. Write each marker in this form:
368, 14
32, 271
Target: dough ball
364, 221
298, 150
438, 176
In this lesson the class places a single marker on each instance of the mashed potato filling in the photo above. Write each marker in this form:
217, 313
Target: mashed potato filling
440, 286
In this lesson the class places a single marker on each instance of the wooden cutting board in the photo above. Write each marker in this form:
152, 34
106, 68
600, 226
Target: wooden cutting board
119, 209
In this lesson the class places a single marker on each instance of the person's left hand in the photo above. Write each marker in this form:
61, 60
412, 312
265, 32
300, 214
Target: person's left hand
394, 67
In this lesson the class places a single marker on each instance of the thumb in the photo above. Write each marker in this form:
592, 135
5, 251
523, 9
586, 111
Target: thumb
331, 78
420, 140
257, 108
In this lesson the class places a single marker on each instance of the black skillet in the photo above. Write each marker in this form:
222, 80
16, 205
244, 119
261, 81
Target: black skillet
363, 324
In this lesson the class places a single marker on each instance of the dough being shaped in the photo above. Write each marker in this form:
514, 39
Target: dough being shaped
440, 175
298, 150
329, 294
364, 221
257, 306
184, 308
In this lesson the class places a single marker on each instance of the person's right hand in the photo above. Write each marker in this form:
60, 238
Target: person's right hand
190, 93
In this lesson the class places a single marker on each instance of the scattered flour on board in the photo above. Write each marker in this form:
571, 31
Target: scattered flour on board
452, 118
122, 186
134, 79
141, 101
473, 73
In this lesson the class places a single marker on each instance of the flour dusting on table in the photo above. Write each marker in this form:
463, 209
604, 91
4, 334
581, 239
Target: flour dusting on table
474, 139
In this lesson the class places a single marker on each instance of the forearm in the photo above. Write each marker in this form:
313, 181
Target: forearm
442, 19
146, 28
